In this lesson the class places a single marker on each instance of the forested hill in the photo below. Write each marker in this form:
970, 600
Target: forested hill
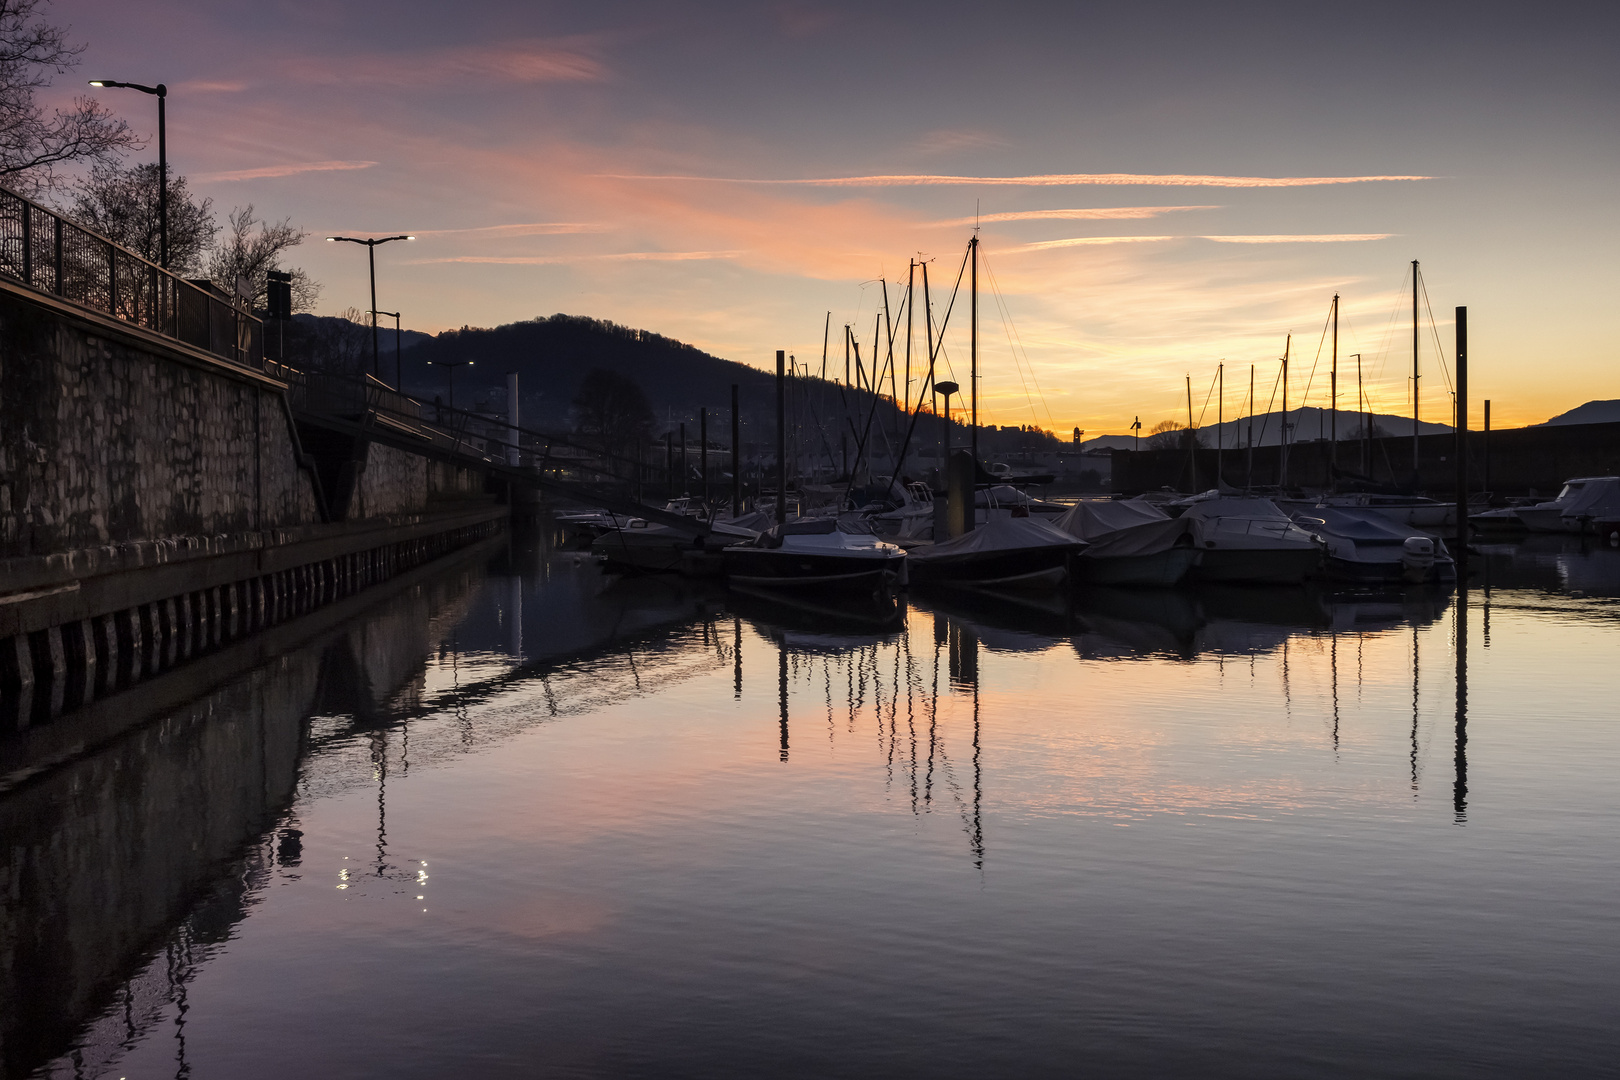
552, 355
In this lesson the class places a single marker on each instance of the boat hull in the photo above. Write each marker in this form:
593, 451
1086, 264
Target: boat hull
766, 568
1025, 568
1162, 568
1257, 566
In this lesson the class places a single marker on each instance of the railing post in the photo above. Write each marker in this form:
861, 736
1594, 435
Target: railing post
57, 289
28, 242
112, 281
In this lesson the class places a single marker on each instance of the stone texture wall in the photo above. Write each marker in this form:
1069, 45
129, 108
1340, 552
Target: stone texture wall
103, 442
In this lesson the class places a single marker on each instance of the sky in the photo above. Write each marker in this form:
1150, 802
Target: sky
1159, 187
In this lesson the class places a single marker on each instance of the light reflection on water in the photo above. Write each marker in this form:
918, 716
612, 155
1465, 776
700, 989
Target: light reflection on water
544, 822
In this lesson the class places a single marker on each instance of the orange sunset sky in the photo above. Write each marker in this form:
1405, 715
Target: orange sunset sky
1159, 186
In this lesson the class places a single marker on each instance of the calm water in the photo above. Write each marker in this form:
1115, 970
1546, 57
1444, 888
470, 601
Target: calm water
518, 820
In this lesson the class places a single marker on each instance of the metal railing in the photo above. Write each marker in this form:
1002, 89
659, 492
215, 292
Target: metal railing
45, 250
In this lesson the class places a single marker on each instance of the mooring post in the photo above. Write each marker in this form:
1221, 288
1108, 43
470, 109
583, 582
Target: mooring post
1462, 440
703, 452
1487, 453
781, 440
736, 456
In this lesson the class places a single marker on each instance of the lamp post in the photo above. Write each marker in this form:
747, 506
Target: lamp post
399, 382
450, 366
371, 258
160, 92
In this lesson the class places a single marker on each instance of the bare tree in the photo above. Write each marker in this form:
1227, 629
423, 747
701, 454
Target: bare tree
1173, 435
244, 252
611, 407
121, 203
35, 145
341, 345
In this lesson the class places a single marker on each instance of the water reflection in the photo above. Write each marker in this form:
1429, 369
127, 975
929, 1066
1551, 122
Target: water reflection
129, 868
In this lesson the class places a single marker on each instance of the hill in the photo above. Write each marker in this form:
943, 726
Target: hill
1593, 412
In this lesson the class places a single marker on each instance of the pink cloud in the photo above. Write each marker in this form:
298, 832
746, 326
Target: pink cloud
291, 169
1043, 180
516, 62
1108, 213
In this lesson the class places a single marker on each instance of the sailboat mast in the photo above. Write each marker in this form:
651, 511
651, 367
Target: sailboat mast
1248, 483
1220, 418
1282, 472
1414, 373
973, 353
911, 280
928, 328
826, 332
1333, 378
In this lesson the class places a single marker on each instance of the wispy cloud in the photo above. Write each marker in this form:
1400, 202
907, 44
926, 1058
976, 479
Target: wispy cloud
1105, 213
290, 169
1312, 238
948, 139
1079, 241
1043, 180
515, 62
533, 228
555, 260
212, 86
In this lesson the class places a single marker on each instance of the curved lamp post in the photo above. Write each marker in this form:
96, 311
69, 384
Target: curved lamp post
371, 258
161, 92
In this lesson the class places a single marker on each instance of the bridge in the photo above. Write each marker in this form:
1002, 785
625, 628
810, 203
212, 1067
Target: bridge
166, 488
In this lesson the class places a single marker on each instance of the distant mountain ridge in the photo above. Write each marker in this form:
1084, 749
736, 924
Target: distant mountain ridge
1593, 412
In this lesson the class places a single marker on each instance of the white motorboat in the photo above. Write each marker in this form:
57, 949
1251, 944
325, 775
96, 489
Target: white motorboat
1132, 542
815, 553
1251, 541
1583, 502
649, 546
1416, 511
1365, 546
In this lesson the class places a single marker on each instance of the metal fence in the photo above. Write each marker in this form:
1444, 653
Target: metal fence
42, 249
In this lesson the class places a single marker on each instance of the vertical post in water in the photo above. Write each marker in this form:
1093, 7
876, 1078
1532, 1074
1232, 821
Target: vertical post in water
1220, 420
736, 456
1333, 390
1487, 446
683, 484
511, 416
1462, 441
781, 443
703, 452
669, 464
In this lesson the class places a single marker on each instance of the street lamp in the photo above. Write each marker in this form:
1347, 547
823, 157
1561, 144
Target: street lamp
371, 257
161, 92
947, 388
451, 365
399, 381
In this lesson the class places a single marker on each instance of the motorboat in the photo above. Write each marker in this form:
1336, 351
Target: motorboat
1365, 546
1417, 511
1006, 550
912, 519
652, 547
1250, 540
815, 553
1132, 542
1583, 502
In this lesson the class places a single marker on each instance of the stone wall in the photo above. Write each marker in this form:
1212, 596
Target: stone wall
103, 441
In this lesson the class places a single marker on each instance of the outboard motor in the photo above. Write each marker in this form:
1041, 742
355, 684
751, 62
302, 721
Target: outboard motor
1417, 558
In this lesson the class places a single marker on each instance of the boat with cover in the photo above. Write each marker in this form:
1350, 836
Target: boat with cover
652, 547
1365, 546
815, 553
1249, 540
1583, 502
1132, 542
1004, 551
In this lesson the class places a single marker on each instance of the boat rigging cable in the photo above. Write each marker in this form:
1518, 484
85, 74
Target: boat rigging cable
1012, 332
928, 379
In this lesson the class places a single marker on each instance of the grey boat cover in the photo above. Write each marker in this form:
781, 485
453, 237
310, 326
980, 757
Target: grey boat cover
1148, 538
1002, 532
1092, 520
1209, 509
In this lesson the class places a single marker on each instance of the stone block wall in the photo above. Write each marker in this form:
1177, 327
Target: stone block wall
105, 442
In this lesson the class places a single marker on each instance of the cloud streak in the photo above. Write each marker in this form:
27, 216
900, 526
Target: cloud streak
1042, 180
557, 260
1312, 238
1105, 213
533, 228
517, 62
291, 169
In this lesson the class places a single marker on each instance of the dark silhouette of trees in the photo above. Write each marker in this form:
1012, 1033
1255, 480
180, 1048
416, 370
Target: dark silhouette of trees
35, 145
251, 253
613, 409
1173, 435
121, 203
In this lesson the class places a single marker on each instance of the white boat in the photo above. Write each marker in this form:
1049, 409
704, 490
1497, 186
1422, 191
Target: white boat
1250, 541
1583, 502
1132, 542
649, 546
1004, 551
815, 553
1365, 546
1417, 511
